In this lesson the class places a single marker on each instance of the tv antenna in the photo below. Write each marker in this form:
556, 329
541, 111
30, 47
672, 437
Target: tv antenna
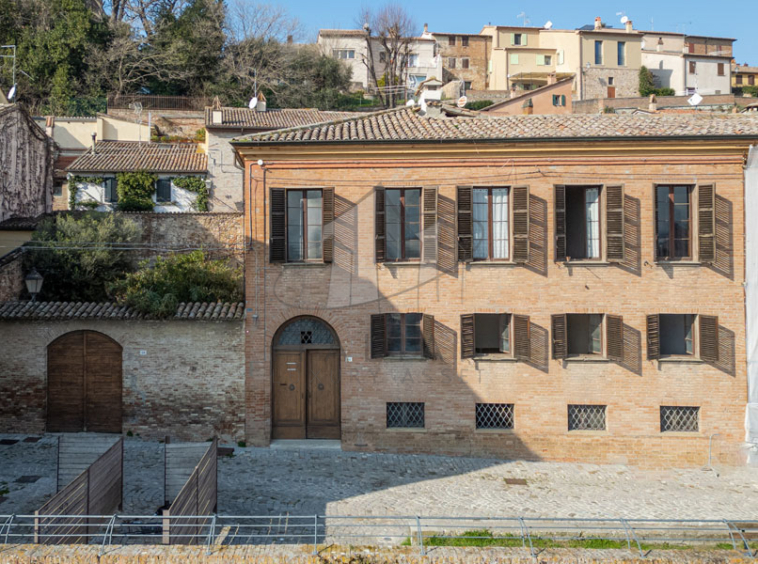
684, 26
136, 107
526, 19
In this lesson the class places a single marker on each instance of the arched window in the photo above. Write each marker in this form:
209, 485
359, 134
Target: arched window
306, 331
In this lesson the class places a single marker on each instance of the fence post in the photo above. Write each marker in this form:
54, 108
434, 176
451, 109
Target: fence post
36, 527
315, 535
420, 534
211, 533
8, 524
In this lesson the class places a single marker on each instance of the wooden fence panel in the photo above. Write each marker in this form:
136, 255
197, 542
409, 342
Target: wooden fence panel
180, 460
198, 497
77, 452
98, 490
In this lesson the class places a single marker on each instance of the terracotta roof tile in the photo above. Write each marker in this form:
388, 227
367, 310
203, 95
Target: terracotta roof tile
405, 124
127, 156
271, 119
90, 310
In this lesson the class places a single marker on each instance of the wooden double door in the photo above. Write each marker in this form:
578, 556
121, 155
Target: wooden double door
306, 394
84, 383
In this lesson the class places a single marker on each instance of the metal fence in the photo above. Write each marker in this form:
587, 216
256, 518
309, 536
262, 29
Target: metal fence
151, 102
423, 533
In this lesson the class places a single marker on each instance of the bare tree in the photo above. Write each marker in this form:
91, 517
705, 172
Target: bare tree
389, 38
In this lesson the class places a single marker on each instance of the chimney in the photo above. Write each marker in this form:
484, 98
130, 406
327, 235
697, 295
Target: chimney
426, 28
50, 126
289, 40
629, 26
261, 107
94, 140
598, 23
653, 105
551, 78
528, 107
659, 47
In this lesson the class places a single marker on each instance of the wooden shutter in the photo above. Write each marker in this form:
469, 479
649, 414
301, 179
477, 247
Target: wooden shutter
614, 333
522, 347
706, 223
709, 338
277, 246
327, 234
465, 223
380, 225
467, 336
520, 199
653, 337
378, 336
560, 223
427, 330
430, 224
560, 344
614, 223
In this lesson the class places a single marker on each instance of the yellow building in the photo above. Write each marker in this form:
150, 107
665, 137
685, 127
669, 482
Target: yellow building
743, 75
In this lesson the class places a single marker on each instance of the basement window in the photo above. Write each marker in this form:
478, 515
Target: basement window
680, 419
494, 416
586, 417
405, 415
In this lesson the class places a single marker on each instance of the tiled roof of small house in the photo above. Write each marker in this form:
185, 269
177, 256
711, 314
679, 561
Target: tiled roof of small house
342, 32
129, 156
109, 311
245, 118
407, 125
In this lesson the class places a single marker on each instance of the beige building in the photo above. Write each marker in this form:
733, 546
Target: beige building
554, 98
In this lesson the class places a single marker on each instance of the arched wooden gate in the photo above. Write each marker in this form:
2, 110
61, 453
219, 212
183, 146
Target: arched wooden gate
84, 382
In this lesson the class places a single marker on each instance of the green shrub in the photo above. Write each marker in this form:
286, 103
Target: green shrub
76, 255
135, 191
158, 290
197, 185
478, 104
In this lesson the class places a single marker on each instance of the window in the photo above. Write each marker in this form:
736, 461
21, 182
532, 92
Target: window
673, 221
58, 188
110, 191
304, 225
494, 416
405, 415
582, 223
382, 56
412, 60
588, 334
586, 417
404, 334
679, 419
559, 100
690, 47
451, 62
492, 333
403, 224
548, 60
621, 53
467, 85
693, 67
585, 334
451, 40
751, 80
610, 81
490, 216
518, 39
598, 52
464, 63
464, 41
738, 78
343, 53
721, 69
685, 335
163, 190
677, 334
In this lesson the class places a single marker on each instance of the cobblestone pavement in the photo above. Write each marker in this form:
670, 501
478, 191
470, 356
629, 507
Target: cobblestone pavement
257, 481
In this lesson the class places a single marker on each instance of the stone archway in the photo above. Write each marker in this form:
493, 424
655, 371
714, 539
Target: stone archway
305, 381
84, 383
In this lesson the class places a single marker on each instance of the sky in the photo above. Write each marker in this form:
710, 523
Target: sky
696, 17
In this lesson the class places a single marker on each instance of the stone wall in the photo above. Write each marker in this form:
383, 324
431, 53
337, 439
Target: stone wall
11, 276
477, 52
712, 102
184, 379
597, 81
223, 171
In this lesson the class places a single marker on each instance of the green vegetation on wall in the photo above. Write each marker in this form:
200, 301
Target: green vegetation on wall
73, 190
135, 191
647, 84
197, 185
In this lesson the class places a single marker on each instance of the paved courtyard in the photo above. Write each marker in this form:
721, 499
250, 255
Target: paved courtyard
304, 482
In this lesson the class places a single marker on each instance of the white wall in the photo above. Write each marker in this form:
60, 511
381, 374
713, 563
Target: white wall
751, 303
181, 200
706, 79
668, 68
358, 44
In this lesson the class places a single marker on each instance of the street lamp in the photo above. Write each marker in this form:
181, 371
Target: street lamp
34, 283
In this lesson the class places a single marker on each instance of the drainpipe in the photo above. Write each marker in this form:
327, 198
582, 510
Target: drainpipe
751, 304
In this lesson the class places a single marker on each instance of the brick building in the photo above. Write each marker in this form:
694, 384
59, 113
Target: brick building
465, 57
500, 286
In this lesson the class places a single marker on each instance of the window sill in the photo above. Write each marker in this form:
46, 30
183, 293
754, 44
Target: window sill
496, 431
590, 432
586, 359
681, 359
494, 358
683, 434
570, 263
405, 358
405, 263
406, 429
678, 263
506, 263
305, 264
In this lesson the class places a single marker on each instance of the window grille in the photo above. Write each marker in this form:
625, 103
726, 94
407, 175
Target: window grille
306, 337
586, 417
308, 331
679, 419
494, 416
405, 415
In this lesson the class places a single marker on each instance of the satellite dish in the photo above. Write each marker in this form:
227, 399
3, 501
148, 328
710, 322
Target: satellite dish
12, 93
462, 102
253, 102
410, 103
695, 99
548, 25
624, 19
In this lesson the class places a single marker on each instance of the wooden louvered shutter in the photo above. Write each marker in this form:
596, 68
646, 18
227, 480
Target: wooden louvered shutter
706, 223
467, 336
614, 223
709, 338
380, 225
465, 224
560, 343
560, 223
378, 336
327, 204
430, 224
427, 330
653, 337
614, 333
277, 243
520, 201
522, 343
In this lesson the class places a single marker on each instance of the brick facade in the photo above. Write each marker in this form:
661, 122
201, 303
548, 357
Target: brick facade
347, 292
188, 384
476, 51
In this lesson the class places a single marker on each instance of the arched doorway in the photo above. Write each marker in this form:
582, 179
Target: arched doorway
305, 381
84, 382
